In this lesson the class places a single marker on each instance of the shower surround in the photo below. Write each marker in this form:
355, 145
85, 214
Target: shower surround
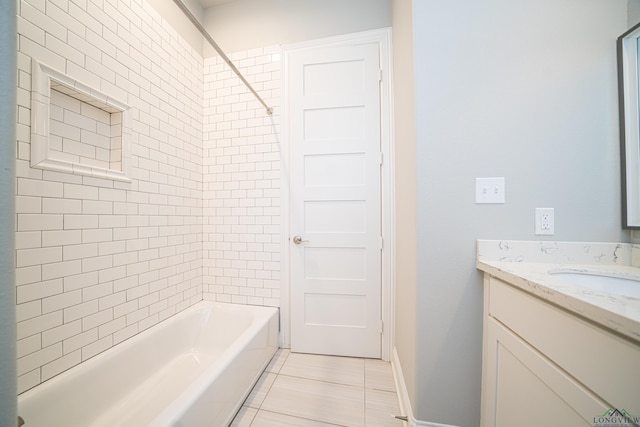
241, 180
97, 260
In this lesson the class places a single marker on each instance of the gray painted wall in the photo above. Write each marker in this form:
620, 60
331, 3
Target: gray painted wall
247, 24
524, 90
8, 385
633, 12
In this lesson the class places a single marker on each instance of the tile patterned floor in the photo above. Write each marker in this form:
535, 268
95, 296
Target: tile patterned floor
300, 390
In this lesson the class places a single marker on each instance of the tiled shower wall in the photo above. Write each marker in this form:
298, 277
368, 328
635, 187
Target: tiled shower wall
241, 181
99, 261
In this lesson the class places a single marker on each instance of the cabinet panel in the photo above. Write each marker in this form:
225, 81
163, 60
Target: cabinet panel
525, 389
603, 362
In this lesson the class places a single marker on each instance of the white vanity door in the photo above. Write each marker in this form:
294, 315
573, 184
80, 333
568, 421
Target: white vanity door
525, 389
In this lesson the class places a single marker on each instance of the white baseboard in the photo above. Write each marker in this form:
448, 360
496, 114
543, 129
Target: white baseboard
401, 387
403, 396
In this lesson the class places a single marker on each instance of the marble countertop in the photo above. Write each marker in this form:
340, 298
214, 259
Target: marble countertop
527, 265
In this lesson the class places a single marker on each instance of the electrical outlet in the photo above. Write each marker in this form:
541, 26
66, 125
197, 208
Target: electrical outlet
545, 222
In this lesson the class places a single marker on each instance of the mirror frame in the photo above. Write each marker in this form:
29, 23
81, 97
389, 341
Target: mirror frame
629, 107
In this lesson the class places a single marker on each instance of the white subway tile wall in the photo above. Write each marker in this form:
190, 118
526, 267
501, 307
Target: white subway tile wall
241, 181
97, 260
81, 133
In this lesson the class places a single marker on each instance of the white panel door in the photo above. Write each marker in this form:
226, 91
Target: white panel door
334, 133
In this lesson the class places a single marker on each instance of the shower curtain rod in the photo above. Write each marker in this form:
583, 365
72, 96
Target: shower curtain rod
224, 56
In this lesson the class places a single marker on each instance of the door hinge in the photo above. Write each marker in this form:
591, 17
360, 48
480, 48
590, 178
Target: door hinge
381, 243
381, 326
381, 159
380, 74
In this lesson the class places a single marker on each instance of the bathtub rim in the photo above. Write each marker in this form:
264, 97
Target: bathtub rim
261, 317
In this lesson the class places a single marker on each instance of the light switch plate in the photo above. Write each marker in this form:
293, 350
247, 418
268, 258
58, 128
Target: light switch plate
490, 190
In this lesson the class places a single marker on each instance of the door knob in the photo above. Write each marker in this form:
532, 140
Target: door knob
297, 240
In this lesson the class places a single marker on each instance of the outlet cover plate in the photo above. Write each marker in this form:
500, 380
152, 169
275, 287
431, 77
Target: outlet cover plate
545, 222
490, 190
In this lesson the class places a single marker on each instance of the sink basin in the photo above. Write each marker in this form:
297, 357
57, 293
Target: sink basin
628, 287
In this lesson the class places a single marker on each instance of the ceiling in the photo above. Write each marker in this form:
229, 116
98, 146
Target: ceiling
209, 3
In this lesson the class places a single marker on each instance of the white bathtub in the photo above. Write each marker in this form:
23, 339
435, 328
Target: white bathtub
194, 369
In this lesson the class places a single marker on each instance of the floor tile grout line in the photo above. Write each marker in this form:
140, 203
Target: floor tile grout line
322, 381
264, 373
270, 386
302, 418
364, 393
267, 393
361, 389
274, 380
288, 353
364, 389
364, 407
253, 418
325, 380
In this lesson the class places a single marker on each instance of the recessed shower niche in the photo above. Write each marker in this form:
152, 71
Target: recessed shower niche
77, 129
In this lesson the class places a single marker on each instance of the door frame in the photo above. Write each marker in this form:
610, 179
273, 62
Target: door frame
383, 38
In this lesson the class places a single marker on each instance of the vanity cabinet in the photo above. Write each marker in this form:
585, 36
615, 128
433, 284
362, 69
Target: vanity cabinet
545, 366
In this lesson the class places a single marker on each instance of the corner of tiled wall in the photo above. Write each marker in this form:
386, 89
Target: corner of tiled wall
241, 180
99, 260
